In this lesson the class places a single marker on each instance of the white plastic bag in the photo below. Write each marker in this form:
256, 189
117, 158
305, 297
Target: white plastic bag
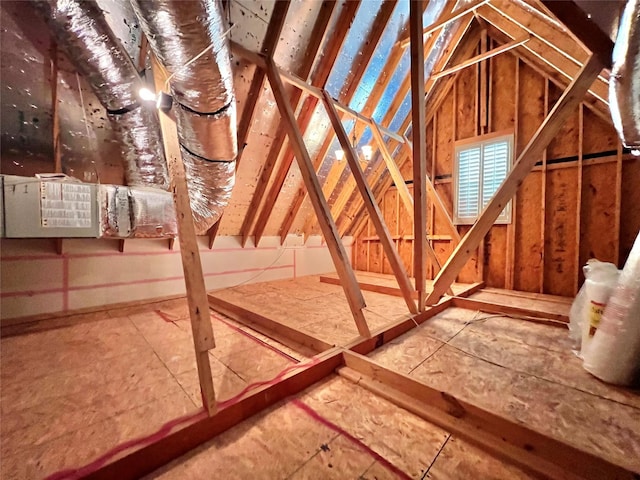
588, 306
614, 352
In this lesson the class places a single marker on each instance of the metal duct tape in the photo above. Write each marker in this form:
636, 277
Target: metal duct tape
200, 132
209, 188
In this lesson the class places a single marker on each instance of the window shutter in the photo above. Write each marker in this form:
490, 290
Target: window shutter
468, 193
494, 168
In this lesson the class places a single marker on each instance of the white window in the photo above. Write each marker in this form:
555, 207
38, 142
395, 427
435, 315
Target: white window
481, 165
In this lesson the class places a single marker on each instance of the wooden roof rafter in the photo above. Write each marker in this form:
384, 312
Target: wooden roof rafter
355, 218
347, 190
312, 51
458, 44
269, 44
371, 43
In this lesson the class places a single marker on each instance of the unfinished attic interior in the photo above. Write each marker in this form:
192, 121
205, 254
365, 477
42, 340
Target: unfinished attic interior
320, 239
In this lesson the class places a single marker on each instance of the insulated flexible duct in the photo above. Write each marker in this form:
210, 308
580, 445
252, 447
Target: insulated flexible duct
81, 30
624, 83
178, 31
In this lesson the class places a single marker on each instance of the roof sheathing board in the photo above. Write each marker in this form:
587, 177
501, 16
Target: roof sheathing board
289, 53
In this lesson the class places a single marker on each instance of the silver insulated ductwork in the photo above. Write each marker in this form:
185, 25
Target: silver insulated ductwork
624, 83
179, 31
81, 30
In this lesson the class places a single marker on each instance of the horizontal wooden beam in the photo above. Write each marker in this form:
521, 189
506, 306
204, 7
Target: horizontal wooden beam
284, 334
485, 56
557, 319
136, 464
535, 452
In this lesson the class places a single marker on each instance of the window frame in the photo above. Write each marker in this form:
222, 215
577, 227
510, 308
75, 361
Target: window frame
480, 141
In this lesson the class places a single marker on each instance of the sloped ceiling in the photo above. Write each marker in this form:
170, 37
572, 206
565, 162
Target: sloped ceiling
370, 74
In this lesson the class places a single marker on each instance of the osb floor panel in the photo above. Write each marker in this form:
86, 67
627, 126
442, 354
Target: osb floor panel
71, 394
313, 307
336, 430
523, 371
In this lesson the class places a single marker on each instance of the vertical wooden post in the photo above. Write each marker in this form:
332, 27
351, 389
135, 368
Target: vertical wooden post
509, 274
419, 151
543, 194
371, 205
197, 299
576, 279
561, 111
328, 226
616, 228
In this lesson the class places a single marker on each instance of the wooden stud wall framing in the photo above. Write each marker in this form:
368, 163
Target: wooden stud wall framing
522, 255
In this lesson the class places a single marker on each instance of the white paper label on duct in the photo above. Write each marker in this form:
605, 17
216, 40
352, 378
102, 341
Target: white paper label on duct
65, 205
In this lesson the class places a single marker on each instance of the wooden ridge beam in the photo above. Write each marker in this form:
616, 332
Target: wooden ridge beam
268, 48
561, 111
451, 16
587, 32
484, 56
530, 450
374, 211
311, 53
201, 328
336, 248
377, 30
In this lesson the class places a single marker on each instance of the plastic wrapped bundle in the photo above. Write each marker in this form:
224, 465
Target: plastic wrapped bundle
614, 352
588, 306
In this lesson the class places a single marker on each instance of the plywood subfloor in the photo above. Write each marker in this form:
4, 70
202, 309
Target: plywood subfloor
525, 372
316, 308
72, 394
337, 430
